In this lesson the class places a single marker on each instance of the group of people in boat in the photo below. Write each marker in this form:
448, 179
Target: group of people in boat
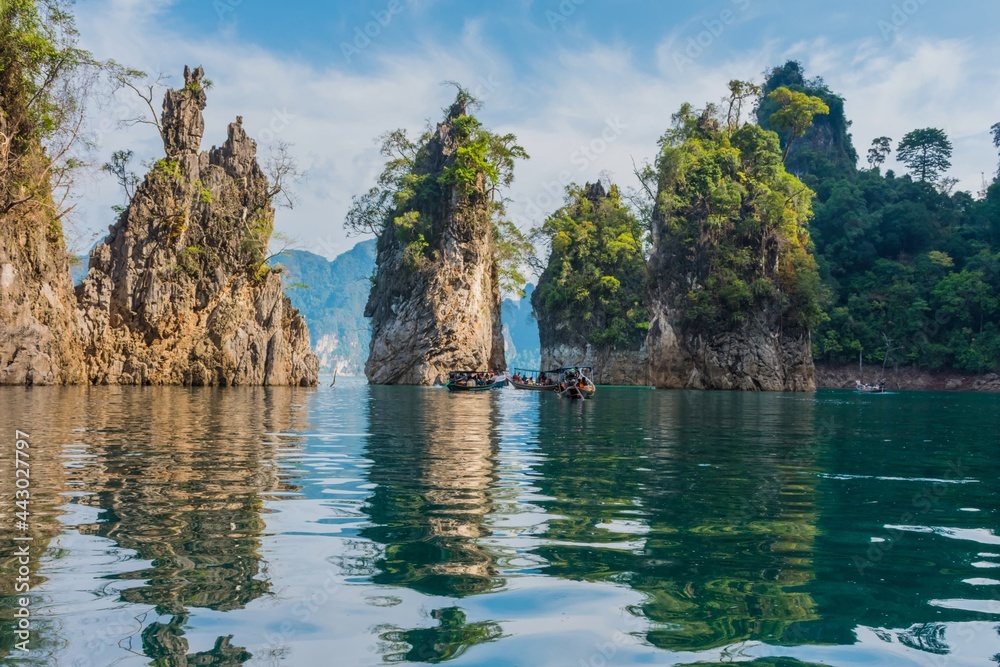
541, 381
575, 384
877, 388
467, 379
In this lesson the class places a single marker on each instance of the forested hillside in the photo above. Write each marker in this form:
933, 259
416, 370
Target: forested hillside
910, 266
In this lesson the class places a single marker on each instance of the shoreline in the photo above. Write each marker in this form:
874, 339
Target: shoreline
907, 379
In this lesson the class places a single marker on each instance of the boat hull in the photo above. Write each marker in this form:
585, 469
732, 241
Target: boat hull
500, 384
533, 387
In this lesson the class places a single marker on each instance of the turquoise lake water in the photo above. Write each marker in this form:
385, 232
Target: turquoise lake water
357, 525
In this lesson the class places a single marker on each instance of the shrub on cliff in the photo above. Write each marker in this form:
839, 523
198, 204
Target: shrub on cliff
411, 193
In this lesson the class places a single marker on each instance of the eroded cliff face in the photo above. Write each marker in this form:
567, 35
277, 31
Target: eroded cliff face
441, 311
39, 324
764, 353
179, 292
755, 357
40, 329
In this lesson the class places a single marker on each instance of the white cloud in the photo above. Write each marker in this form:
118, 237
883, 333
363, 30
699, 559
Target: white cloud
559, 104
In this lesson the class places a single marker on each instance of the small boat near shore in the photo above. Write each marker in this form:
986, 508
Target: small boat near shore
862, 388
475, 381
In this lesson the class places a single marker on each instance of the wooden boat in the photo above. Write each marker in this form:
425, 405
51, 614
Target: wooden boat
869, 388
466, 381
575, 382
534, 376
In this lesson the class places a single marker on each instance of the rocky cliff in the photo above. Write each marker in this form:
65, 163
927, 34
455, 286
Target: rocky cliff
39, 324
435, 305
756, 357
733, 288
180, 292
589, 299
611, 366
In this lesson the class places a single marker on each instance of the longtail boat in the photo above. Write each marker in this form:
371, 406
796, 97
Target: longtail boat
575, 382
475, 381
529, 379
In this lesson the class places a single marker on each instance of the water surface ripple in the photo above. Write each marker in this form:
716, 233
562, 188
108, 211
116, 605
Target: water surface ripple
357, 525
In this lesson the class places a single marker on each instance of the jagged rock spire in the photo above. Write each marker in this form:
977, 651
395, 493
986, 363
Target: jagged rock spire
182, 121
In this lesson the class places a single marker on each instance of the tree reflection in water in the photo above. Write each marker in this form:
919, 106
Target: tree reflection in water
718, 539
453, 636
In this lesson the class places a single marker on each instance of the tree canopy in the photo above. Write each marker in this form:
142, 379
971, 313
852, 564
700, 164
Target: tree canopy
926, 153
44, 80
593, 288
795, 114
879, 152
730, 222
826, 149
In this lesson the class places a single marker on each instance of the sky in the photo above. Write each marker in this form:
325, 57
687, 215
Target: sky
588, 86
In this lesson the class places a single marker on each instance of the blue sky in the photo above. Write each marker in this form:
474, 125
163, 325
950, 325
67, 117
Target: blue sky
587, 85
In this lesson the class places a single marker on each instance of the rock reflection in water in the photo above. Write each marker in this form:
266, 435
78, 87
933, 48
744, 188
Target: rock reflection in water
177, 476
433, 461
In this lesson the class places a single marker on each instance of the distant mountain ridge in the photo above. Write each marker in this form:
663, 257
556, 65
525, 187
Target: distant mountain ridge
332, 295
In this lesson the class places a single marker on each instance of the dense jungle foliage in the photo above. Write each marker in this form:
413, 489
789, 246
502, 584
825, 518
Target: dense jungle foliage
594, 284
910, 267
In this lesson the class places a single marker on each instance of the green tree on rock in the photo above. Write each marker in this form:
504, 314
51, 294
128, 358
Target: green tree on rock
926, 153
795, 114
593, 287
